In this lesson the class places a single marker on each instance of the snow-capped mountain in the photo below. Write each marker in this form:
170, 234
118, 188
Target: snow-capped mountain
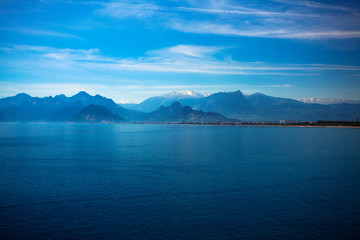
154, 103
326, 101
183, 94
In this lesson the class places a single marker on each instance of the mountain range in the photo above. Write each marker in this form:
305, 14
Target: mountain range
183, 106
260, 107
23, 107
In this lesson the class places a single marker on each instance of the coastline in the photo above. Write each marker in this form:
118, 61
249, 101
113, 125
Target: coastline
249, 125
314, 125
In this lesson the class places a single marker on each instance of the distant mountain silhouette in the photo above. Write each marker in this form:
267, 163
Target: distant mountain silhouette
86, 99
14, 101
34, 109
228, 104
187, 114
9, 105
345, 110
272, 108
97, 114
260, 107
178, 113
68, 111
165, 112
23, 107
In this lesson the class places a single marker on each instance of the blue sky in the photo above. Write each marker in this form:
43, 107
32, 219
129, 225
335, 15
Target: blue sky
131, 50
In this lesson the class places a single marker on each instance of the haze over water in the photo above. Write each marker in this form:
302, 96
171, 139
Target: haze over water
178, 182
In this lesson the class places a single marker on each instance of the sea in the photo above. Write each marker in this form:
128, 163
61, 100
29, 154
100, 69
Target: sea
143, 181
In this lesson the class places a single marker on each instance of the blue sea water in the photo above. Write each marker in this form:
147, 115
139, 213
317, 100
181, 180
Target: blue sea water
74, 181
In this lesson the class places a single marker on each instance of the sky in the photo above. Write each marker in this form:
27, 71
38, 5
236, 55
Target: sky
130, 50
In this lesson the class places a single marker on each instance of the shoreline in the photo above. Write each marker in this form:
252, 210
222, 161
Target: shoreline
198, 124
250, 125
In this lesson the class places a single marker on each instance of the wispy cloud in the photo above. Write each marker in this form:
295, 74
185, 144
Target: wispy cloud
177, 59
39, 32
187, 50
225, 29
317, 21
313, 4
124, 10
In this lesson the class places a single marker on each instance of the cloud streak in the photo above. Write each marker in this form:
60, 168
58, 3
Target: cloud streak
228, 30
317, 21
179, 59
313, 4
39, 32
123, 10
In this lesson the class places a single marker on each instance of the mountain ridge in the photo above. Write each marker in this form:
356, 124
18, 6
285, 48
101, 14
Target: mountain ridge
178, 113
96, 114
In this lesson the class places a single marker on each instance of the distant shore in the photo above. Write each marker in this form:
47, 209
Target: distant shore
254, 124
325, 124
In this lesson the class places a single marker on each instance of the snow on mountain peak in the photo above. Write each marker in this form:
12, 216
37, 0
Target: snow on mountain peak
185, 93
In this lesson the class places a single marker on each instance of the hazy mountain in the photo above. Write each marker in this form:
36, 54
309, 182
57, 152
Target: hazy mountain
86, 99
273, 109
259, 99
14, 101
8, 106
68, 111
231, 104
345, 111
162, 114
61, 97
178, 113
187, 114
260, 107
23, 107
34, 109
97, 114
153, 103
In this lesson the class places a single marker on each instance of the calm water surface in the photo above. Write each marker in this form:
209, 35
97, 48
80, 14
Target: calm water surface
178, 182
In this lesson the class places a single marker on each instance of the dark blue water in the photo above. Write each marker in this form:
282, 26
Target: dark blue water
178, 182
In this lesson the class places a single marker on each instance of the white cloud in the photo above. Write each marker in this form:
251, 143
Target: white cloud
259, 31
176, 59
223, 29
128, 10
187, 50
39, 32
145, 9
313, 4
71, 54
305, 20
